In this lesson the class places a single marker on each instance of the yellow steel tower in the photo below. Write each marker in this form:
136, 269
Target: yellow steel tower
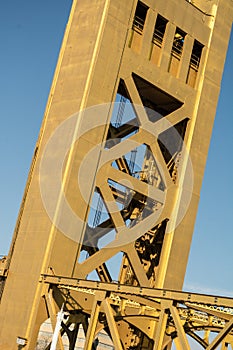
106, 221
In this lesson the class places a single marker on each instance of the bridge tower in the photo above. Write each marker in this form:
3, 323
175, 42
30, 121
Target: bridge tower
107, 217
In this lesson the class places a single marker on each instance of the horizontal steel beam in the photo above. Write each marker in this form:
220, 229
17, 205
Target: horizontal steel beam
177, 296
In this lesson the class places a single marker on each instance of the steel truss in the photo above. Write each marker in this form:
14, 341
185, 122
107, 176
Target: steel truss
138, 317
122, 203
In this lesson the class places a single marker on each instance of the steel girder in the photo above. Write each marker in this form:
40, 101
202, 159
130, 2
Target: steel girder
141, 318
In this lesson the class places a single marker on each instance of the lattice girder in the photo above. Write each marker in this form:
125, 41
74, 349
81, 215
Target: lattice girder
173, 315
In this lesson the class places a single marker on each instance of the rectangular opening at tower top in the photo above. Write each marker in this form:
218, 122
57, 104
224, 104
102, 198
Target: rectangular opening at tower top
196, 54
159, 30
194, 63
178, 42
140, 16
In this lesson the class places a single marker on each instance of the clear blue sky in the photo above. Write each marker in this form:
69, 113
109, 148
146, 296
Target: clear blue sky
30, 37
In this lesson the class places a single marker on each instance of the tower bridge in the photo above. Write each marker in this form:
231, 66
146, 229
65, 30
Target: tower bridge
105, 226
